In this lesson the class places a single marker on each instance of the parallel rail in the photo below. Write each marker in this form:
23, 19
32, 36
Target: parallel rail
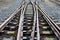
53, 25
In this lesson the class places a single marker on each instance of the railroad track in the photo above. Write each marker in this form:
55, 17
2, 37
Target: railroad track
9, 29
46, 25
30, 22
45, 30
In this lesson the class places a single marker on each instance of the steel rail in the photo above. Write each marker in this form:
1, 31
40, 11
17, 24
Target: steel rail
36, 12
50, 22
34, 24
2, 26
38, 34
20, 33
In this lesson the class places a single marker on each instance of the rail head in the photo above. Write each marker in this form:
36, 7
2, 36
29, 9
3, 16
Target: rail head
38, 30
34, 23
19, 34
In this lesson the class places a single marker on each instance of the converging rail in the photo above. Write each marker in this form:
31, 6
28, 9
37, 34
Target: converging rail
11, 17
29, 22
